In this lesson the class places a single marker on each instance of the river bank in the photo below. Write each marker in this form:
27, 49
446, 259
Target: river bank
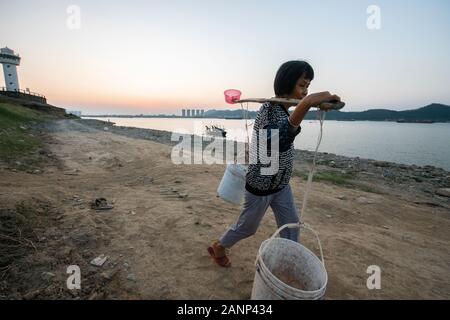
427, 181
165, 215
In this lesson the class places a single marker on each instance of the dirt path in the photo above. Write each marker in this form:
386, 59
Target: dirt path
165, 216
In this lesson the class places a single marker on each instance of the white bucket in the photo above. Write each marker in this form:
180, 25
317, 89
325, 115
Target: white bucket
232, 186
286, 259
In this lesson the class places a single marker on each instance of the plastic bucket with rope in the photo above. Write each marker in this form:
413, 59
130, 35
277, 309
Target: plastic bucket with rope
232, 185
287, 270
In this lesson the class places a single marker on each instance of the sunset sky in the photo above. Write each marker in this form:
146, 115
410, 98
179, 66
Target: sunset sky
155, 57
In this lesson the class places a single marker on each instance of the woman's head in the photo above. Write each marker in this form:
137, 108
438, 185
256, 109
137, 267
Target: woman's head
293, 79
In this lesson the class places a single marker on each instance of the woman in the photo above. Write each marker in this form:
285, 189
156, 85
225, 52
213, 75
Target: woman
272, 189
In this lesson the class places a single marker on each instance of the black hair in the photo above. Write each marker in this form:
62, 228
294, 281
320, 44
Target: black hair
288, 75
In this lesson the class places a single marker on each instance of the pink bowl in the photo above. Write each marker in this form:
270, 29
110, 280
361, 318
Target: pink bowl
232, 95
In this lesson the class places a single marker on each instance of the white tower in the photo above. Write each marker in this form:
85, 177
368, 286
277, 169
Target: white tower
10, 61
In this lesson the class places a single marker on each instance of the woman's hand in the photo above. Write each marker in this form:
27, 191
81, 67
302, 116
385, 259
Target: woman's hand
312, 100
316, 99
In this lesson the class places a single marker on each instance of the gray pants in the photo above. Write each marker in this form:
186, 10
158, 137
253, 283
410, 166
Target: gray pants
283, 206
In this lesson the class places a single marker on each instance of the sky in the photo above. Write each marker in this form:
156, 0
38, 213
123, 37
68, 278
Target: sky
153, 57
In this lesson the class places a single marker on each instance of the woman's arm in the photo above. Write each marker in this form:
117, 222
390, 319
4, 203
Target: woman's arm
312, 100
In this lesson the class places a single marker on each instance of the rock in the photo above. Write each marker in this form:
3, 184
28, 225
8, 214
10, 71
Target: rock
177, 181
147, 180
99, 261
97, 296
445, 192
382, 164
126, 265
428, 203
31, 295
101, 204
109, 274
71, 173
47, 276
64, 253
341, 197
132, 212
388, 174
182, 196
131, 277
80, 238
364, 200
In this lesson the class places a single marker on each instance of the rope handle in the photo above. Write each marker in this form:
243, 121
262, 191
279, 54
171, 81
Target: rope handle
296, 225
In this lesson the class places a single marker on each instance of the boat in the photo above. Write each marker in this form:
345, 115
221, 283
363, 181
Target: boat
414, 121
216, 131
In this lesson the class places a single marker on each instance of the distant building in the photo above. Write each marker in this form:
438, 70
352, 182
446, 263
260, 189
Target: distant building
183, 113
202, 113
188, 113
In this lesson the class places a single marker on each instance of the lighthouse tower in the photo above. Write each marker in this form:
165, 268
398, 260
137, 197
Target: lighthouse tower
10, 61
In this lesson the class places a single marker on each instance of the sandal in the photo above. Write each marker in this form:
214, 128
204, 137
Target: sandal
221, 261
101, 204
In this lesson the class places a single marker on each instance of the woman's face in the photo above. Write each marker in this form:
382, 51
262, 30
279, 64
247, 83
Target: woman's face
301, 88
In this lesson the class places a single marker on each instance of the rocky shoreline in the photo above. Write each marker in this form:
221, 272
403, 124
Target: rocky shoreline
424, 180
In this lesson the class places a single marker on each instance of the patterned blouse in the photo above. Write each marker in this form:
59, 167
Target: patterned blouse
269, 170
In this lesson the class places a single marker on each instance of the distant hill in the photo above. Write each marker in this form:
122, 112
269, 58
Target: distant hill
434, 112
